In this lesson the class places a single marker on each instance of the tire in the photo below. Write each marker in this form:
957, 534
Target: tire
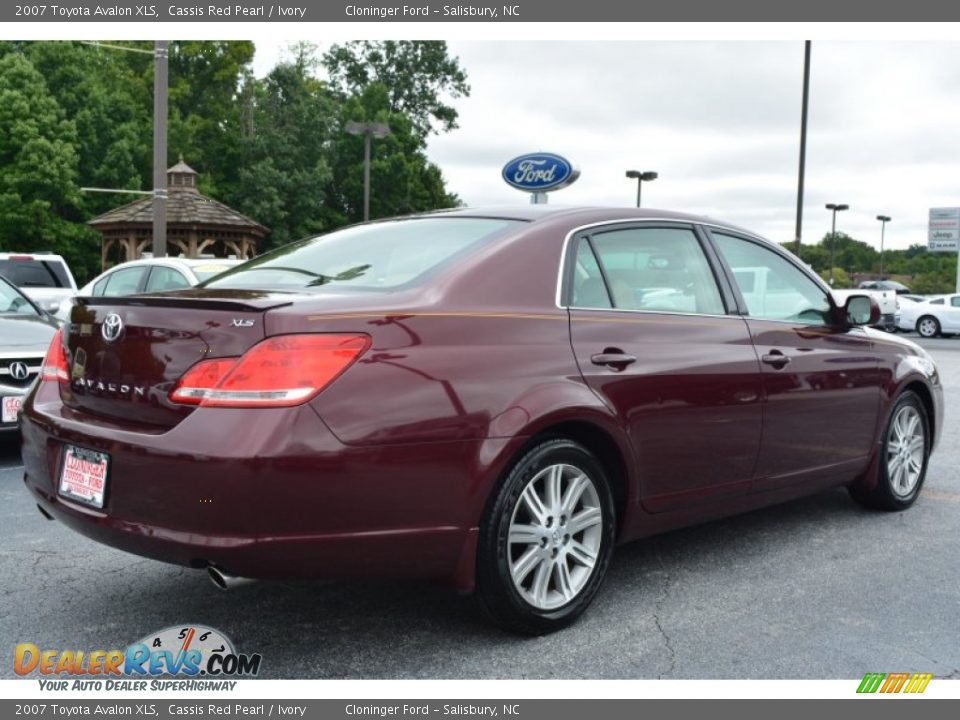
539, 578
928, 326
904, 455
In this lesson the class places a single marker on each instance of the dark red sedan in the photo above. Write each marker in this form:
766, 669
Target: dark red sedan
490, 397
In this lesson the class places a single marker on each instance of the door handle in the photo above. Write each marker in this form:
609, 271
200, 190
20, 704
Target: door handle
616, 360
776, 358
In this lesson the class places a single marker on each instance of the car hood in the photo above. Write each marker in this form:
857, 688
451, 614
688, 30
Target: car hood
25, 333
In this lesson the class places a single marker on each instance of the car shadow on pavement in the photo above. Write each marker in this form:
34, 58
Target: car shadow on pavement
389, 629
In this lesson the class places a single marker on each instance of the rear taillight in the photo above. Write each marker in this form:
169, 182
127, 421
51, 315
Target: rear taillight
54, 367
279, 372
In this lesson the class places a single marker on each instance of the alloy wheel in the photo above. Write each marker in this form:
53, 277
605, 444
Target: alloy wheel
555, 536
906, 450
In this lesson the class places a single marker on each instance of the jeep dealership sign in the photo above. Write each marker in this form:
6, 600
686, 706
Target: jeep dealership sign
943, 230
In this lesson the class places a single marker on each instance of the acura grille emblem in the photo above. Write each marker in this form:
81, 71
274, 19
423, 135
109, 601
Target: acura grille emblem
112, 327
19, 371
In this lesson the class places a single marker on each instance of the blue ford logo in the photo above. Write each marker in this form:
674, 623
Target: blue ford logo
539, 172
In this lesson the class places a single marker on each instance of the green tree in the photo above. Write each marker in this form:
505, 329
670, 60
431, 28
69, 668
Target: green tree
841, 280
39, 198
206, 80
417, 76
103, 95
284, 169
402, 179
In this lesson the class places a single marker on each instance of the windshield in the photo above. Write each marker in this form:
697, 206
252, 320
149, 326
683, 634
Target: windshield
377, 256
13, 303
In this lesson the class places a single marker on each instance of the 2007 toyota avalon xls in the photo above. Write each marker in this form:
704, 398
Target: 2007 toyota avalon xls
494, 398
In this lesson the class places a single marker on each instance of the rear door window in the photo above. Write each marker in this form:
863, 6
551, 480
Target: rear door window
123, 282
165, 278
652, 269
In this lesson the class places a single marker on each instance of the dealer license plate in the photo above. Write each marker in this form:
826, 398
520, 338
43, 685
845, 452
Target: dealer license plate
10, 405
84, 475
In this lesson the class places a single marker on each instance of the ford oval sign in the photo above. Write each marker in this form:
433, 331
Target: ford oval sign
539, 172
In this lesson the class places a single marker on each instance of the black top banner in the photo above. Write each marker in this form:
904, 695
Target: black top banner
481, 11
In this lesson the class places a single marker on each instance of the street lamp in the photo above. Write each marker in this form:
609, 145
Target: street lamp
368, 130
833, 234
884, 219
641, 177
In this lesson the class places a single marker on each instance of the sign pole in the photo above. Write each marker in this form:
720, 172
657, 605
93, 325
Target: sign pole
958, 270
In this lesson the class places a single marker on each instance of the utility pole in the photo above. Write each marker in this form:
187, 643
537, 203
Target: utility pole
803, 143
160, 148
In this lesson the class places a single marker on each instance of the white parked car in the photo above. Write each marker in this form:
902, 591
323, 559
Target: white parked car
150, 275
937, 315
45, 278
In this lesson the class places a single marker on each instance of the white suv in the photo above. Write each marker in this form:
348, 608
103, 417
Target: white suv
43, 277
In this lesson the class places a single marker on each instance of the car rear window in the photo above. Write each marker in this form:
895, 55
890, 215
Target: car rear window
35, 273
376, 256
205, 272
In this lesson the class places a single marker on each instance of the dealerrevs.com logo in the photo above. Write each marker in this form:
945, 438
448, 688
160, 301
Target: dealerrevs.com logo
205, 657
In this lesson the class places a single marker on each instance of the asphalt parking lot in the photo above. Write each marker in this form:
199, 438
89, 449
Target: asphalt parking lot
818, 588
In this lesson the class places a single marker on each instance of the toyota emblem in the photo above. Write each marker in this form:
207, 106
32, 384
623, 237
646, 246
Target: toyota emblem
19, 370
112, 327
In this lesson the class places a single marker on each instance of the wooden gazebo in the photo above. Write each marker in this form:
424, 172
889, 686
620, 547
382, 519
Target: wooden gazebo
196, 225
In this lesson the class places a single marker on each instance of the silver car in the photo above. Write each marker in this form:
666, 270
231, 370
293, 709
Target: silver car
25, 334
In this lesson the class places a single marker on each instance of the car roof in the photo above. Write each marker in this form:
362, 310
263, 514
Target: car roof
33, 255
585, 214
177, 261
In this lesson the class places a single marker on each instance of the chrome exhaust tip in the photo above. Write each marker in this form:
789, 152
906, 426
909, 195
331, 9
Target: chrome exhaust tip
225, 581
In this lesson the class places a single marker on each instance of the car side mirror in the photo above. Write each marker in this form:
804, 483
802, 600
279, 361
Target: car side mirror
52, 307
861, 310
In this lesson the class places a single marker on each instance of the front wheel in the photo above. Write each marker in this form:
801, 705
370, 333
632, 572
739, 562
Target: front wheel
546, 540
928, 326
903, 457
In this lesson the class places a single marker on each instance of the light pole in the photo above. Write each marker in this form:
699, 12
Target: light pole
833, 234
368, 130
803, 142
884, 219
160, 85
641, 177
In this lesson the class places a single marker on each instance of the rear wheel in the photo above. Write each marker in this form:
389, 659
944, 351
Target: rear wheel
928, 326
903, 457
546, 540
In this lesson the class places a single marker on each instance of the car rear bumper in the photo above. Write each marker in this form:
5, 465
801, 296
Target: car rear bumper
266, 493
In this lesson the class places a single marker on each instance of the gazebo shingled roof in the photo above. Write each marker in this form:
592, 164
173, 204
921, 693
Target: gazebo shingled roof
194, 222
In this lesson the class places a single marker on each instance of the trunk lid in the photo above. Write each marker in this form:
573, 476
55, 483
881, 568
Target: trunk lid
125, 354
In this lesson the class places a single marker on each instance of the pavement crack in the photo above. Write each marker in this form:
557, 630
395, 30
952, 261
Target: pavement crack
657, 612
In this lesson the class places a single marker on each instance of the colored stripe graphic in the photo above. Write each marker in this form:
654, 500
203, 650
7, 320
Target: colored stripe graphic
894, 682
871, 682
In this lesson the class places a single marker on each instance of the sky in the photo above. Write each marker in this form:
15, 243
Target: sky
720, 123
